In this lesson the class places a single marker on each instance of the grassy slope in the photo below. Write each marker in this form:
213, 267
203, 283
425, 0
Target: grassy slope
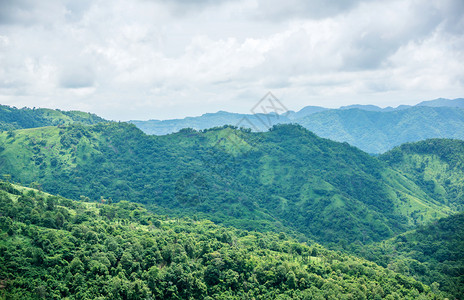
285, 178
36, 153
55, 248
436, 165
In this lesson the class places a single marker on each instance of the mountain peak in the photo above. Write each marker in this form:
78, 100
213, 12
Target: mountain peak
368, 107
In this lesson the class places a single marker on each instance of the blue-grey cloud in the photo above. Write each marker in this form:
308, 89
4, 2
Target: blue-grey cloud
16, 11
77, 77
283, 10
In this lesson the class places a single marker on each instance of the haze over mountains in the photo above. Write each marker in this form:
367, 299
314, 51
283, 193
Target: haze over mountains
368, 127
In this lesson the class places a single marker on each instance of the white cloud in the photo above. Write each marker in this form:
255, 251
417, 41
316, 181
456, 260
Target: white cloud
153, 59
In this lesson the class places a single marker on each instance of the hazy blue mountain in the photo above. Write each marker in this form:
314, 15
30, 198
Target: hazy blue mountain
400, 107
363, 107
440, 102
257, 122
305, 111
370, 107
377, 132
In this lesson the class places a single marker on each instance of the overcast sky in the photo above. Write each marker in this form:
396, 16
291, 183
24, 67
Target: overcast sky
143, 59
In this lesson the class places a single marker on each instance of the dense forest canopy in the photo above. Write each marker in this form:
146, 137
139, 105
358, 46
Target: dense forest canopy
55, 248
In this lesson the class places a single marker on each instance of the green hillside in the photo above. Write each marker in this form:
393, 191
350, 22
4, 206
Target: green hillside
55, 248
433, 254
436, 165
13, 118
287, 179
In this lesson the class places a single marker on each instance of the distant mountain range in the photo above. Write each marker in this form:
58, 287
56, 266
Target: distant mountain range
369, 127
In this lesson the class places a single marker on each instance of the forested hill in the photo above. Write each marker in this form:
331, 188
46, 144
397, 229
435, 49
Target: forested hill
55, 248
13, 118
433, 254
286, 179
436, 165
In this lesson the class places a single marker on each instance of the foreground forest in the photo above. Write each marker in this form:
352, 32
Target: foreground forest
55, 248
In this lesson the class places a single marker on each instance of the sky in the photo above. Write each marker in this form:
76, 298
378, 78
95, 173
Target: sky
142, 59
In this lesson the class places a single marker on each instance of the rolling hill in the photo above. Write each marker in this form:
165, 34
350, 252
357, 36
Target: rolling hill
269, 188
286, 179
13, 118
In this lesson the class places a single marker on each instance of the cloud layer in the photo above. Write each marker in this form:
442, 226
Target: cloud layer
161, 59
